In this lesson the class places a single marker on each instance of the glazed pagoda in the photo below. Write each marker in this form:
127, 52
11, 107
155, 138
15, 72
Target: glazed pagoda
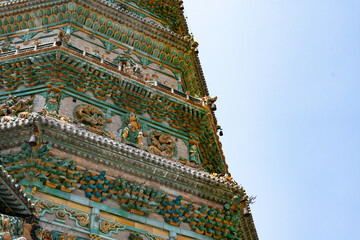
107, 127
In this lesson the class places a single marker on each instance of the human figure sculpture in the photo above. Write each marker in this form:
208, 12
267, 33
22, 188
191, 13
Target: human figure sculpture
132, 132
52, 101
139, 139
125, 133
148, 77
193, 149
137, 71
128, 67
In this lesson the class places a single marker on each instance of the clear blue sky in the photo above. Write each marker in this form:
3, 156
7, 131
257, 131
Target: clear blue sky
287, 77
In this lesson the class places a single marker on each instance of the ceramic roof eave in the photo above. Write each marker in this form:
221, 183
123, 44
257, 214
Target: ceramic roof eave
107, 9
249, 228
69, 138
200, 182
177, 98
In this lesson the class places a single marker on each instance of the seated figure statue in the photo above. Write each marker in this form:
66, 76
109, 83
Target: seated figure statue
131, 133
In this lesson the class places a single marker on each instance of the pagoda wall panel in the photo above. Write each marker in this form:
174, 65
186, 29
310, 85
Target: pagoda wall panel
39, 103
67, 106
182, 149
115, 125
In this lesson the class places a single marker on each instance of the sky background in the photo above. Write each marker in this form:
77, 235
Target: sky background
287, 78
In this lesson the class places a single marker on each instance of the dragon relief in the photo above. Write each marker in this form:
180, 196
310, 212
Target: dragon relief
161, 144
39, 233
94, 237
16, 107
93, 119
107, 227
41, 207
81, 218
